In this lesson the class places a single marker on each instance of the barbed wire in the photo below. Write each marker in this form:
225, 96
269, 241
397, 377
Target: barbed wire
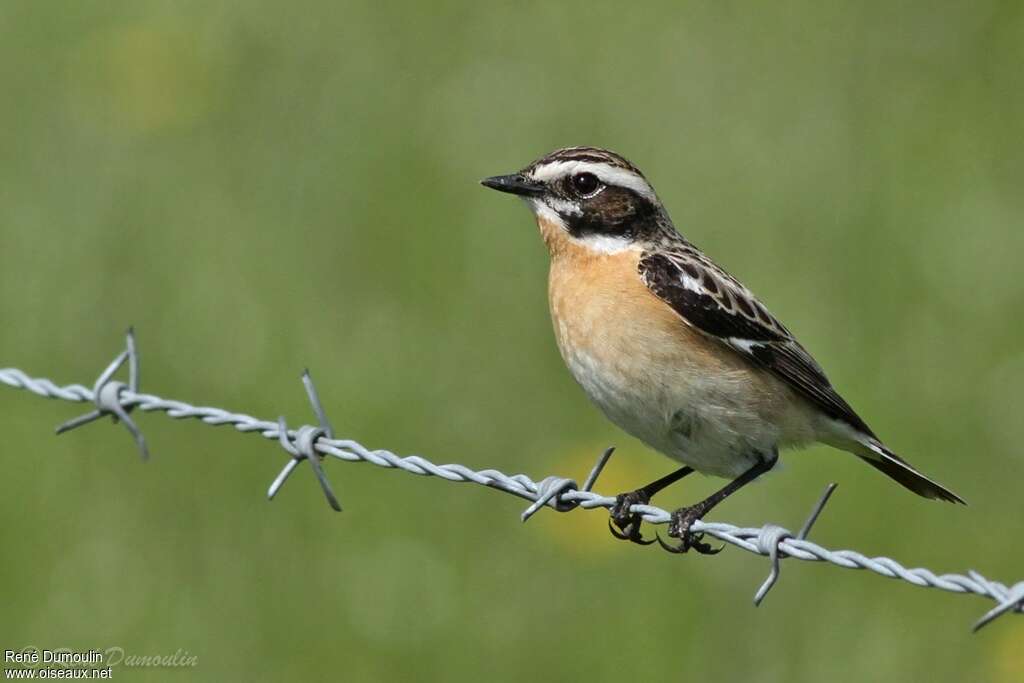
312, 443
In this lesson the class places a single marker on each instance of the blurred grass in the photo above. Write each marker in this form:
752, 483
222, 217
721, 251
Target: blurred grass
261, 187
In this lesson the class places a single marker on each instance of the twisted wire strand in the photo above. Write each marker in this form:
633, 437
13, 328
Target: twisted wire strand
554, 492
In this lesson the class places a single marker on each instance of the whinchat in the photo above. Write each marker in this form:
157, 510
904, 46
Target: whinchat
672, 348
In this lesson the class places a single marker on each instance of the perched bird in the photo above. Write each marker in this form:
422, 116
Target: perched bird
672, 348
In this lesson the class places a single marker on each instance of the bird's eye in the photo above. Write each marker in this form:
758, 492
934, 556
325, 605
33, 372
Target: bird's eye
586, 184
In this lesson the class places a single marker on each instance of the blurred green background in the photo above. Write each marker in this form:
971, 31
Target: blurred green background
260, 187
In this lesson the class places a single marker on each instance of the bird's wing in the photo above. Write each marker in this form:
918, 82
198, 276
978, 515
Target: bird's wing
713, 302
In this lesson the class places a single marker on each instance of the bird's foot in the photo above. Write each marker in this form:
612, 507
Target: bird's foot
628, 523
679, 527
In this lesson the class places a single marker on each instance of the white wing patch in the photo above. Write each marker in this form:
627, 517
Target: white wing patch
744, 345
710, 300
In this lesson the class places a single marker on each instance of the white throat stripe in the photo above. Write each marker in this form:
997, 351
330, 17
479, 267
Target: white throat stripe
605, 244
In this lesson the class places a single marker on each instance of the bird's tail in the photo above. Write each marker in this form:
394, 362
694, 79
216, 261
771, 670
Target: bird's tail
874, 453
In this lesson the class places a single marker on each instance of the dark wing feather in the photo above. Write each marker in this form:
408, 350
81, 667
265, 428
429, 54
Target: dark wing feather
710, 300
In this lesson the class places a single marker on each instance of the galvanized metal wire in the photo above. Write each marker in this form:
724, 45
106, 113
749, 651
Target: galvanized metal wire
313, 443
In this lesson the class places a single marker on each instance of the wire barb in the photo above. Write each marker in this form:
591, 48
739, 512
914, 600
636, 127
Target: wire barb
302, 446
771, 536
1012, 600
107, 396
551, 489
312, 443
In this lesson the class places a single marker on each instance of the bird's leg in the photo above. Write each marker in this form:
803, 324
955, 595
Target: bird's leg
629, 522
683, 518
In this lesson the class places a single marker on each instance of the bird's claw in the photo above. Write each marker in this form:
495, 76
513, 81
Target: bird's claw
692, 542
628, 523
679, 527
632, 534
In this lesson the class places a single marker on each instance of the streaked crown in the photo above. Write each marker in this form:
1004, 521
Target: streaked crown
594, 155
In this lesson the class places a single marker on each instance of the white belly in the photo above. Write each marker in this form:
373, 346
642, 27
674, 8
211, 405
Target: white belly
707, 423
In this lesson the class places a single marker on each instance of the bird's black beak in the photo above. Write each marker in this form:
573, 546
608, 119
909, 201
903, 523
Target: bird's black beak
516, 183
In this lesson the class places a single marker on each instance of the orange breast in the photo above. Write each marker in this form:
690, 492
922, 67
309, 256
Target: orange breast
601, 307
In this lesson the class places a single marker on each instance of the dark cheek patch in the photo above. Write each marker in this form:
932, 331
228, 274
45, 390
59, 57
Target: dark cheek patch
613, 211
